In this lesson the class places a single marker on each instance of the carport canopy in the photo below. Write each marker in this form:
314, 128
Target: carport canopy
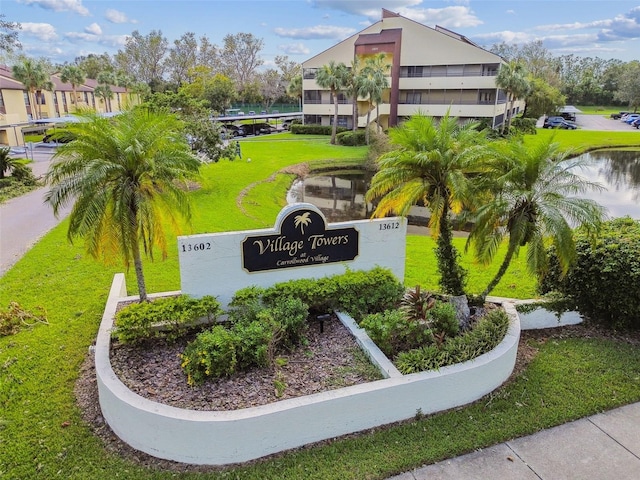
569, 109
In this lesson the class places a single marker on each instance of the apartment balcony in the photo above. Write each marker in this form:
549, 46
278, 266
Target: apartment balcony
449, 83
457, 110
326, 108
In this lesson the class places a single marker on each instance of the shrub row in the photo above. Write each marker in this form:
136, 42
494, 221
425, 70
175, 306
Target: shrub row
314, 129
351, 138
488, 332
355, 292
605, 278
167, 317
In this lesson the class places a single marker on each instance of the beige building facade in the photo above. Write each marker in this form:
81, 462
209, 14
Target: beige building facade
20, 109
431, 71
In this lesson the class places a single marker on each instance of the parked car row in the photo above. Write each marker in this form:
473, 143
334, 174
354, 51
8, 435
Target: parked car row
632, 119
243, 130
558, 122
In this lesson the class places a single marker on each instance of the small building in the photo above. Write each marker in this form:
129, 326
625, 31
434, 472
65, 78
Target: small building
432, 71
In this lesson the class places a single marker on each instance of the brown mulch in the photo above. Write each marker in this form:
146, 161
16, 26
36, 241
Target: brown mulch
158, 377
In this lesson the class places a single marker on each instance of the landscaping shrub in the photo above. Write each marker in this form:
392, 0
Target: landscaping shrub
523, 126
351, 138
252, 337
167, 317
355, 292
393, 331
488, 332
605, 278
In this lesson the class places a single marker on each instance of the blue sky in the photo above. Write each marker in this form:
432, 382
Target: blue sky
63, 29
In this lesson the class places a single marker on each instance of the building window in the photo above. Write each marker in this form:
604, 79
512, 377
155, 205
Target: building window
309, 73
2, 108
312, 120
312, 96
490, 70
27, 100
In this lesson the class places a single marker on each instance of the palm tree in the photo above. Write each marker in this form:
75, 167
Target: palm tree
373, 81
125, 177
8, 163
103, 90
534, 201
33, 76
351, 83
73, 75
332, 76
294, 89
431, 164
512, 78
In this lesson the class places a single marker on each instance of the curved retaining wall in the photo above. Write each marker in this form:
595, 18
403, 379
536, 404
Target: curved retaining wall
224, 437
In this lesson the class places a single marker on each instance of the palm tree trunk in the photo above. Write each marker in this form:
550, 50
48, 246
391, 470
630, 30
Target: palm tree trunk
137, 262
366, 132
506, 114
501, 271
451, 274
335, 118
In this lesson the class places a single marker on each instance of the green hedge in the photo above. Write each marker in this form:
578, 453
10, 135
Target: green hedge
314, 129
605, 279
352, 139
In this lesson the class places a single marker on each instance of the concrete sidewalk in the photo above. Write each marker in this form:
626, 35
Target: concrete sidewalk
602, 447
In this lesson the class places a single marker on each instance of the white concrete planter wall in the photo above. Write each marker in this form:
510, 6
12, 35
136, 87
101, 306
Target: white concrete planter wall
224, 437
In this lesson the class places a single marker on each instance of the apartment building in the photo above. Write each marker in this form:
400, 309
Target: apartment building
432, 71
19, 110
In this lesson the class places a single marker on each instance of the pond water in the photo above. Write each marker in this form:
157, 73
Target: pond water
340, 195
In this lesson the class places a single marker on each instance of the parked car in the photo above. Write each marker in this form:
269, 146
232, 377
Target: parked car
618, 116
251, 112
234, 130
558, 122
631, 117
257, 128
636, 123
286, 124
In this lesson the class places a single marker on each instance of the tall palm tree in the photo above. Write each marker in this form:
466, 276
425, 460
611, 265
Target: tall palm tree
512, 78
534, 201
432, 164
34, 77
73, 75
103, 90
351, 88
332, 76
125, 177
294, 88
373, 81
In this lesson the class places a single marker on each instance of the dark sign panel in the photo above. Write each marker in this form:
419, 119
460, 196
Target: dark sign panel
303, 240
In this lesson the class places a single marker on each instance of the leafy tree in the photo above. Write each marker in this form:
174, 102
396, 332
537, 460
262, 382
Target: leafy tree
512, 78
542, 99
629, 86
182, 58
288, 68
9, 35
272, 87
143, 57
34, 77
431, 163
533, 201
332, 76
93, 64
73, 75
126, 179
240, 58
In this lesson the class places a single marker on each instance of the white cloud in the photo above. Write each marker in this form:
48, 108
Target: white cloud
115, 16
93, 29
294, 49
115, 41
60, 6
319, 31
42, 31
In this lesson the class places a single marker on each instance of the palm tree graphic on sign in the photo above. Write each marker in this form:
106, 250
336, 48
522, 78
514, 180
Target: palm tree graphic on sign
302, 220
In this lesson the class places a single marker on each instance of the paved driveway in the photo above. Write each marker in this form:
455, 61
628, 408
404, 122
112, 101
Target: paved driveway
598, 122
24, 220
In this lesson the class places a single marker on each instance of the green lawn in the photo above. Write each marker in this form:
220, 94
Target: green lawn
41, 431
